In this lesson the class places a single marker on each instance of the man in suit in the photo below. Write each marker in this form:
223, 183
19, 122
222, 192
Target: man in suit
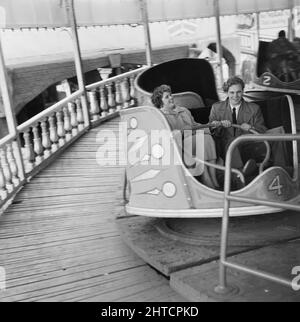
235, 110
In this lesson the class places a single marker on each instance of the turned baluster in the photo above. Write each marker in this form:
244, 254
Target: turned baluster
67, 124
53, 133
74, 122
28, 153
37, 145
3, 191
125, 93
60, 129
94, 106
46, 142
79, 112
132, 90
103, 102
6, 170
111, 100
119, 99
13, 165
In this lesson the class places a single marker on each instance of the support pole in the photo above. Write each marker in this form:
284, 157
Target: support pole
291, 21
78, 60
291, 26
219, 43
9, 112
257, 30
6, 97
144, 11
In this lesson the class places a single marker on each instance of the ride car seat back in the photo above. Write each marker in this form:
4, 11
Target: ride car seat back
183, 75
189, 100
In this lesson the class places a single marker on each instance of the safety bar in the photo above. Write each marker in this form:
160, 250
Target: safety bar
268, 148
216, 166
222, 287
253, 131
222, 168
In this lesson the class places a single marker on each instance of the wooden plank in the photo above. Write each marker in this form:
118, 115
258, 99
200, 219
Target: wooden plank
59, 241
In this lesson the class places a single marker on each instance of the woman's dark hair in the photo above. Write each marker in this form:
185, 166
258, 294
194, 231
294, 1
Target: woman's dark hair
157, 95
233, 81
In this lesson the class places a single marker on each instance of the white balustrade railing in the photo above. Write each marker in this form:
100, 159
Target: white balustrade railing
11, 168
47, 132
41, 137
113, 94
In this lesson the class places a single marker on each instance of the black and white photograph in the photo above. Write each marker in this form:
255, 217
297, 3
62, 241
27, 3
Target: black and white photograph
149, 154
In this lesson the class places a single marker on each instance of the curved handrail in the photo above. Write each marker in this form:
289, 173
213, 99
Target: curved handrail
222, 168
52, 130
7, 139
228, 197
294, 131
52, 109
115, 78
268, 152
216, 166
251, 130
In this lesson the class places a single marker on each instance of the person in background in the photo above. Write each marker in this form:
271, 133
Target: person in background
283, 58
194, 52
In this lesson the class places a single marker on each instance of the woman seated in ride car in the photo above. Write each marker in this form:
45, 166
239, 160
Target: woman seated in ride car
180, 118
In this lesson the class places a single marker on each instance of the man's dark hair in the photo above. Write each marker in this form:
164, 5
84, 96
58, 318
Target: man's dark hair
233, 81
157, 95
281, 34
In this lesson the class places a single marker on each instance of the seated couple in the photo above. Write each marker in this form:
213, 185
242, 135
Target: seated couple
233, 110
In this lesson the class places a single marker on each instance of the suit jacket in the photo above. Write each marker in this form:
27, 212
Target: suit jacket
249, 113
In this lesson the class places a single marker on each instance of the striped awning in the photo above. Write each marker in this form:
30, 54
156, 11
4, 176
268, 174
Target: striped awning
51, 13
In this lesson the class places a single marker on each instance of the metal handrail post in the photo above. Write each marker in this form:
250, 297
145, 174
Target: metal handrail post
219, 39
222, 287
294, 131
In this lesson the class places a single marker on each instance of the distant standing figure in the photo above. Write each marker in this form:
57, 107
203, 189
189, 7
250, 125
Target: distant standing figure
282, 58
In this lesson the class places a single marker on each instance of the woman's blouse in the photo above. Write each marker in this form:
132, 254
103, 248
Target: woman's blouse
180, 118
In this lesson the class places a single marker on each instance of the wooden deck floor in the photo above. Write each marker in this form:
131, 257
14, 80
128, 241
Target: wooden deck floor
59, 241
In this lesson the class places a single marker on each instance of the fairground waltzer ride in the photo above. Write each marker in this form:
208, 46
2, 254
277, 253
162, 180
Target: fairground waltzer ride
167, 190
154, 188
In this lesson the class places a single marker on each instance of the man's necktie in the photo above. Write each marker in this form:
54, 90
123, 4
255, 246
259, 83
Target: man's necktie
234, 119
